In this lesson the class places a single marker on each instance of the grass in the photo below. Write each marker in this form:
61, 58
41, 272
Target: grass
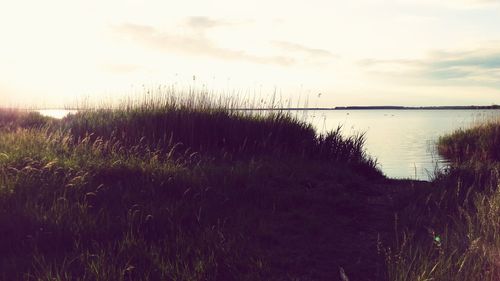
452, 230
210, 129
179, 187
169, 189
11, 119
481, 143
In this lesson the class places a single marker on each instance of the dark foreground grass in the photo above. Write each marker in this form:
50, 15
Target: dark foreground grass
451, 230
184, 193
190, 190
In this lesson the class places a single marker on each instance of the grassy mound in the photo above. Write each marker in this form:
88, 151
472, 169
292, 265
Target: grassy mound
178, 193
451, 230
481, 143
207, 131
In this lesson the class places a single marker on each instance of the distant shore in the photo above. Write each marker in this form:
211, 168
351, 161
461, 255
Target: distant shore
368, 107
178, 190
384, 107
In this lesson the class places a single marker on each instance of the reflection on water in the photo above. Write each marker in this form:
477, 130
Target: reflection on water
403, 141
56, 113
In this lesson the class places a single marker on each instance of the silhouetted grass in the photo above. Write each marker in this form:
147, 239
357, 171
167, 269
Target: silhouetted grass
206, 127
178, 191
451, 230
91, 211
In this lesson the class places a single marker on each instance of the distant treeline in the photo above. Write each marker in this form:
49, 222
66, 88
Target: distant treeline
418, 107
381, 107
386, 107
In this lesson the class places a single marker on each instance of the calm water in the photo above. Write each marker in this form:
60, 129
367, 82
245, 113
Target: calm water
56, 113
402, 141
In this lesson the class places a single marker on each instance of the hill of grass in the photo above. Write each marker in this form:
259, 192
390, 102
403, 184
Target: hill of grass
188, 189
451, 229
184, 191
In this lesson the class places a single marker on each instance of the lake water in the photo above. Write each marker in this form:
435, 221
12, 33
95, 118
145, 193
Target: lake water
402, 141
56, 113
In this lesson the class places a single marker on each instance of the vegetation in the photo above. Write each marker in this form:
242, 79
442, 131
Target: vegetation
479, 144
201, 125
182, 190
451, 231
11, 119
185, 188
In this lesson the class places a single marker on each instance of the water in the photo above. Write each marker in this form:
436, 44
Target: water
56, 113
402, 141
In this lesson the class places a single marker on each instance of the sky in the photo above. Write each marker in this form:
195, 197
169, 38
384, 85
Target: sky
325, 53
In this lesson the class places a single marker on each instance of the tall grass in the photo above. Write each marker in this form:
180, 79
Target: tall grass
14, 118
205, 125
93, 211
452, 230
169, 189
481, 143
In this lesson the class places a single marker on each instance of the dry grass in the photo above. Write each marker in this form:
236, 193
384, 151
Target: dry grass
451, 231
172, 191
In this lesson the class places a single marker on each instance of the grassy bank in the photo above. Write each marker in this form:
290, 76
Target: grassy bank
184, 191
479, 144
179, 190
451, 231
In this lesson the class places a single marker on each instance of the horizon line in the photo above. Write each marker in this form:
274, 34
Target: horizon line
354, 107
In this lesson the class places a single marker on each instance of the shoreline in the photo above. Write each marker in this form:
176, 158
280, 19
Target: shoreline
471, 107
127, 194
367, 107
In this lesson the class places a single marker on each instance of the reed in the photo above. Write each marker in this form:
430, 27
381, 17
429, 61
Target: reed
451, 230
12, 118
212, 125
169, 189
481, 143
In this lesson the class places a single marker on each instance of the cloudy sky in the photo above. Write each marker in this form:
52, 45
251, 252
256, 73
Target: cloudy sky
360, 52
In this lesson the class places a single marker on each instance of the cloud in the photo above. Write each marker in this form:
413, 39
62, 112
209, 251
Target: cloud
481, 2
484, 59
205, 22
458, 4
477, 67
194, 44
396, 63
297, 48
